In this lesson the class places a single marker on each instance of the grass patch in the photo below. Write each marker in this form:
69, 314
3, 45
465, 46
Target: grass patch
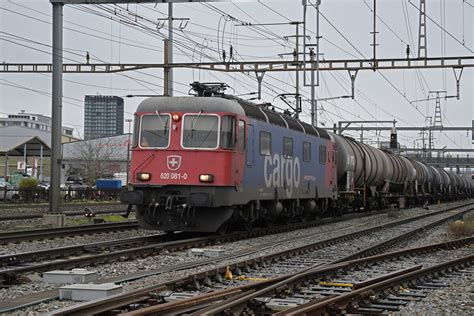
116, 218
79, 221
462, 228
107, 218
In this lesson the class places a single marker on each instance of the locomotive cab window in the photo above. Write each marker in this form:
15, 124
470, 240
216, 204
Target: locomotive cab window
242, 137
265, 143
322, 155
306, 151
287, 147
136, 130
155, 130
228, 132
200, 131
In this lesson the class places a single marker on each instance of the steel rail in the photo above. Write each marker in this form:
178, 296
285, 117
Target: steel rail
14, 206
104, 305
55, 253
70, 213
393, 242
289, 281
50, 295
339, 303
9, 275
49, 233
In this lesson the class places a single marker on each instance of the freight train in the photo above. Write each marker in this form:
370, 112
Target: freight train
212, 161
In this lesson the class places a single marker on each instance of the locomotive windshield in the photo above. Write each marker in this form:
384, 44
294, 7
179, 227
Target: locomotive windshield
200, 131
155, 130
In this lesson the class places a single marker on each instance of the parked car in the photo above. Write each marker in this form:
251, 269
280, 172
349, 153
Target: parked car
9, 192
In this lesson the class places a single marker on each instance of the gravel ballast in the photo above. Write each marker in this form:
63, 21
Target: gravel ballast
166, 259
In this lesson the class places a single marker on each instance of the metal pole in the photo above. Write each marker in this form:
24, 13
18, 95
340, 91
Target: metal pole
41, 163
128, 152
298, 105
24, 158
375, 30
314, 110
6, 166
259, 81
317, 42
56, 107
166, 69
170, 48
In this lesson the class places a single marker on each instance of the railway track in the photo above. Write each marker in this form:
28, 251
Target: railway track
70, 213
265, 266
374, 285
50, 233
13, 265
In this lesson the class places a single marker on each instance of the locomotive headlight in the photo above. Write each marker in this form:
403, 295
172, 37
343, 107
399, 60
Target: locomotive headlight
144, 176
175, 117
206, 178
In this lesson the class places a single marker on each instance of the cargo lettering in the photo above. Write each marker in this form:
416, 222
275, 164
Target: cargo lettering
280, 171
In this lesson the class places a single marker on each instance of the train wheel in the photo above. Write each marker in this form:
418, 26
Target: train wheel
384, 203
247, 225
223, 229
268, 222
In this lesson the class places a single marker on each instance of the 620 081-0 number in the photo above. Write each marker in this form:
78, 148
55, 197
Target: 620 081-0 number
173, 176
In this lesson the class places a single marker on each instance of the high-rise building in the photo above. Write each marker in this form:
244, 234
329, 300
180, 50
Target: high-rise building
103, 116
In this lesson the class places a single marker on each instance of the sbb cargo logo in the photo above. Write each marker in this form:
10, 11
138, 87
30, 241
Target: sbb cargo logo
280, 171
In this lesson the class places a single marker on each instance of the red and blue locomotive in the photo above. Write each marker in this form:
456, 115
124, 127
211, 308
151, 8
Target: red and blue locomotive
205, 163
202, 163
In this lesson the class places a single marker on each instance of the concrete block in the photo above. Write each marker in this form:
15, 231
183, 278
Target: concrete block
206, 252
169, 296
279, 304
54, 220
393, 211
402, 202
88, 292
70, 276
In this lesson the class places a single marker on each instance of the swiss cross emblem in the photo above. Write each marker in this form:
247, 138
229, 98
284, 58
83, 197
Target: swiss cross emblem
174, 162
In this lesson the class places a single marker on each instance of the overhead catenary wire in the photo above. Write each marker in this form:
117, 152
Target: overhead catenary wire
443, 29
187, 54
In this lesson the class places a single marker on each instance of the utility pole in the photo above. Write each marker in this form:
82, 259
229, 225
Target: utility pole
296, 60
314, 60
129, 121
422, 49
437, 117
430, 137
170, 48
314, 108
374, 32
56, 107
166, 68
437, 113
259, 76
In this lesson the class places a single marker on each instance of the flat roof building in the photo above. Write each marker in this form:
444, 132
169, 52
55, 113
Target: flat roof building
32, 120
103, 116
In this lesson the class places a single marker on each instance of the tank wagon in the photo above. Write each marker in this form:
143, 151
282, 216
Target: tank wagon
211, 161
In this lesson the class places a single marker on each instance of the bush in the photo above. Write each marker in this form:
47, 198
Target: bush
28, 184
28, 189
462, 228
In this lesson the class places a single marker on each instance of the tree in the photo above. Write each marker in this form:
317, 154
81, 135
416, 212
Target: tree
94, 158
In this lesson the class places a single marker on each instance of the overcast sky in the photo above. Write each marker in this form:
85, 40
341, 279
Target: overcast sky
133, 34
